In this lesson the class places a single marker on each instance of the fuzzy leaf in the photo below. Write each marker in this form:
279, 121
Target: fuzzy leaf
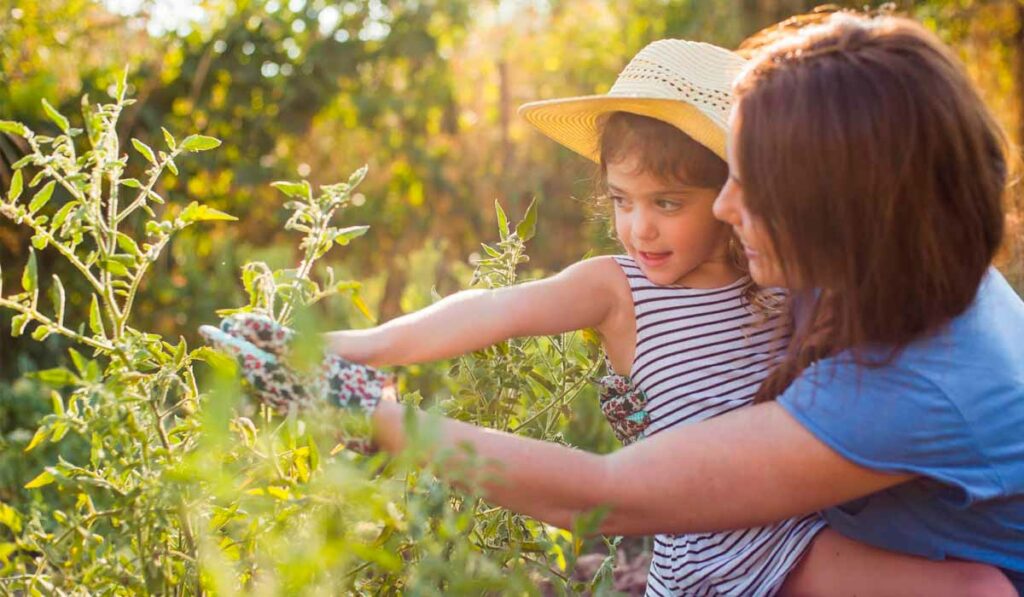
115, 267
528, 227
145, 150
41, 333
131, 183
56, 116
14, 128
199, 143
16, 186
44, 478
62, 214
196, 212
58, 298
57, 377
169, 139
299, 190
502, 220
42, 197
30, 277
40, 436
127, 244
358, 302
345, 235
95, 318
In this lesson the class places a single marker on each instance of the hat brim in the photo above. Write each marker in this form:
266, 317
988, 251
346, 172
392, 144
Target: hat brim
573, 122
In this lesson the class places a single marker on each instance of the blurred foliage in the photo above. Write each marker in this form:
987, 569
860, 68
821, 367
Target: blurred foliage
143, 483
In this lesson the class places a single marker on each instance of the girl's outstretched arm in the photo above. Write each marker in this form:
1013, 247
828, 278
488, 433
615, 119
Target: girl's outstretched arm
581, 296
742, 469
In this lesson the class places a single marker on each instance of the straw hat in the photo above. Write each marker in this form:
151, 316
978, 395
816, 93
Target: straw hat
684, 83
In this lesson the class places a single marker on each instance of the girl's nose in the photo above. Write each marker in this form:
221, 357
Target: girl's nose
645, 226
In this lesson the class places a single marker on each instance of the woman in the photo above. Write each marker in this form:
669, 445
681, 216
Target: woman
867, 177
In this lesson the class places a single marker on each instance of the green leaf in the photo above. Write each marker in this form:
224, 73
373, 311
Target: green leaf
18, 325
131, 183
145, 150
502, 220
172, 167
30, 276
528, 227
95, 318
25, 161
10, 518
122, 84
44, 478
61, 122
14, 128
41, 333
57, 297
16, 185
60, 429
128, 244
58, 403
40, 436
115, 267
41, 197
196, 212
358, 302
57, 377
199, 143
79, 361
299, 190
345, 235
62, 214
169, 139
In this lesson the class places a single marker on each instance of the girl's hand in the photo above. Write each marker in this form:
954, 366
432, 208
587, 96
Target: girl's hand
355, 388
261, 331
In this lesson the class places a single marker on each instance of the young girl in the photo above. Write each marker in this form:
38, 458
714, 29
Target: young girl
674, 315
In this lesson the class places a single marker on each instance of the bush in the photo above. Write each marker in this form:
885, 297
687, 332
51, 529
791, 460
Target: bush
175, 485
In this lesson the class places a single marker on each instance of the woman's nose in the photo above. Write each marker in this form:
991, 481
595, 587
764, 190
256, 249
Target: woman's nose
724, 206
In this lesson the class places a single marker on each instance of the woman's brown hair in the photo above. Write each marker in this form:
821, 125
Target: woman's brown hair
879, 175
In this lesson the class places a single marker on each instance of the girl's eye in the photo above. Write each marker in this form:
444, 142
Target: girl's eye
668, 205
617, 200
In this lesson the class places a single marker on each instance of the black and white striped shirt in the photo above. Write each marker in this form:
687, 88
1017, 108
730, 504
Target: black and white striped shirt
701, 353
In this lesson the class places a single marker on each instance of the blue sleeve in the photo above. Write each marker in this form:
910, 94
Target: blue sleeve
891, 420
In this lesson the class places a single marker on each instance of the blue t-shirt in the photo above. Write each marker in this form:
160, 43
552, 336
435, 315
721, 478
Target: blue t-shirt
949, 408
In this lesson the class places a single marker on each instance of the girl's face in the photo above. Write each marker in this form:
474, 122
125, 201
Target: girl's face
668, 228
764, 264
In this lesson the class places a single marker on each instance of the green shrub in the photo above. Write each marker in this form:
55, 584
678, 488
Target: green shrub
174, 489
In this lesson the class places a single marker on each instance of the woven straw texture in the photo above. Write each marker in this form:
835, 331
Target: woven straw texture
684, 83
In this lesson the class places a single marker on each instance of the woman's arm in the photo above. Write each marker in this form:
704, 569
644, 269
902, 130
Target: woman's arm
742, 469
583, 295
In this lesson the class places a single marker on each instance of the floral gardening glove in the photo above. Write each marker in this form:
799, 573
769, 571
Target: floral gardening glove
623, 405
261, 347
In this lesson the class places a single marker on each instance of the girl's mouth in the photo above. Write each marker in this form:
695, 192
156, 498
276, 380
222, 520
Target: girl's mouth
653, 259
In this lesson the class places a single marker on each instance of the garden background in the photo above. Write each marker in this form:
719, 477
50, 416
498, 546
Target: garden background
425, 94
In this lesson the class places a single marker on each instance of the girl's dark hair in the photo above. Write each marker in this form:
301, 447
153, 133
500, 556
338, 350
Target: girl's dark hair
662, 150
879, 174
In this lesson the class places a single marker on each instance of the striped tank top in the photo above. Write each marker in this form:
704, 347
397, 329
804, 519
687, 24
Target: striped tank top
701, 353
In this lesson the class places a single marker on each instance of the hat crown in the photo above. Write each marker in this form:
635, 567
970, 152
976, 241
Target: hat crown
697, 73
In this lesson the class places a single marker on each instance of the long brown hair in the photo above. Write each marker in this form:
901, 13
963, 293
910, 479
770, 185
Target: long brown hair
879, 174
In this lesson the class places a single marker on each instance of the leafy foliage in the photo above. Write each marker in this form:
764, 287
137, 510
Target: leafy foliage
174, 490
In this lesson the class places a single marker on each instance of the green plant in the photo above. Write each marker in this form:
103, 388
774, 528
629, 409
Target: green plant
186, 491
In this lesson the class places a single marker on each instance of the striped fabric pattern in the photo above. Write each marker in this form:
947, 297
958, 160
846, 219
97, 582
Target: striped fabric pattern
701, 353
